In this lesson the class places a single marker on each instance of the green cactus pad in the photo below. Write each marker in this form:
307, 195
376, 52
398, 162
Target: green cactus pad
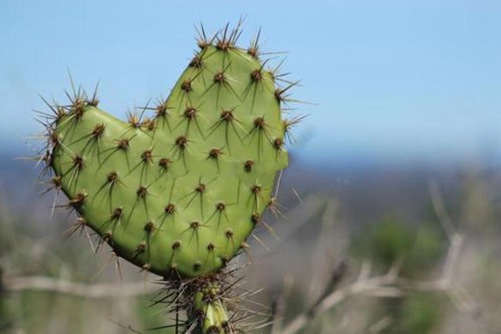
182, 191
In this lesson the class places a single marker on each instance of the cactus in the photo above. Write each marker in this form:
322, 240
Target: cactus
178, 193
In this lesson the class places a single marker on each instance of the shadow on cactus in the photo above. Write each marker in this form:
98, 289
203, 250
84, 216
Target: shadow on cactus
179, 193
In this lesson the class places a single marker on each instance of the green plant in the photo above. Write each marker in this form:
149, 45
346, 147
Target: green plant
179, 193
416, 249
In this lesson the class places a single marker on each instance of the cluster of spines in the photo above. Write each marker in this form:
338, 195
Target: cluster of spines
214, 304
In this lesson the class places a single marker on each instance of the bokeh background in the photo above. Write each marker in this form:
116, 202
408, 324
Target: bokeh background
400, 152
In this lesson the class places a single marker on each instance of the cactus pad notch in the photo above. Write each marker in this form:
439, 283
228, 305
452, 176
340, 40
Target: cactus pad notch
180, 192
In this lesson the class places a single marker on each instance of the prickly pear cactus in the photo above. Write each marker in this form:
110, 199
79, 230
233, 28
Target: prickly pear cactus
180, 192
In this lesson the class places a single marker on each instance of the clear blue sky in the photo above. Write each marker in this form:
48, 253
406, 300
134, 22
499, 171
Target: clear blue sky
390, 79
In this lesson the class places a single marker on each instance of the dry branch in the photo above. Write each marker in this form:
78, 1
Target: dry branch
389, 285
95, 291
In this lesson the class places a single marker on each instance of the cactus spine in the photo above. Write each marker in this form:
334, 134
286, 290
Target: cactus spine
179, 193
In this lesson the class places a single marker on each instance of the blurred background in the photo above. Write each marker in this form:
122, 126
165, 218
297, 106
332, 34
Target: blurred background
395, 172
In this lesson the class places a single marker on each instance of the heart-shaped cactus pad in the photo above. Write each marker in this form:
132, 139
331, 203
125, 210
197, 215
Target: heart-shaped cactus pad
180, 191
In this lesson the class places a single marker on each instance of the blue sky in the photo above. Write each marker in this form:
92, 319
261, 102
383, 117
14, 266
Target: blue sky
396, 80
